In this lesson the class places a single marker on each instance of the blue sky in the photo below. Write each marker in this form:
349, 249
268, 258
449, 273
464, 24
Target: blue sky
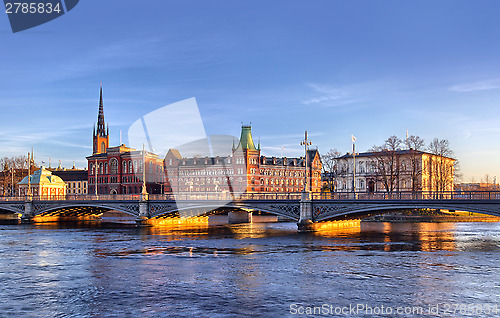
335, 68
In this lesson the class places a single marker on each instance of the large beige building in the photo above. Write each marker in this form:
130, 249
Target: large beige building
42, 183
391, 171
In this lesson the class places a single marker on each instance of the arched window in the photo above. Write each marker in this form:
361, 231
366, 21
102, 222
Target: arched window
113, 164
130, 167
124, 169
103, 147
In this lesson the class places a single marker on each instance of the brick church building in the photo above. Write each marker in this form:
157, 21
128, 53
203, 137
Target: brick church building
119, 170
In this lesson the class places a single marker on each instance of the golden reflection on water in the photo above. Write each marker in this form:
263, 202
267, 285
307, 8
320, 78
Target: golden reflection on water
425, 236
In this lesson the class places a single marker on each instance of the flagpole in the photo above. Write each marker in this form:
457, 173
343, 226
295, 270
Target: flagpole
354, 165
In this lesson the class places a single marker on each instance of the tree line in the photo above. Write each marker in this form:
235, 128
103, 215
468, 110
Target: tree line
12, 171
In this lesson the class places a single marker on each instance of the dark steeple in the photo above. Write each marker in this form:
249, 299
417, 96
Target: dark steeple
101, 126
101, 130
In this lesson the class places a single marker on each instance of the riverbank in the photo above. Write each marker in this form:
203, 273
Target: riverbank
401, 218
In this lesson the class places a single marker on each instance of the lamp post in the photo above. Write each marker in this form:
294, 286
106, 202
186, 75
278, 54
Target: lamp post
144, 190
12, 182
29, 172
305, 143
95, 183
354, 165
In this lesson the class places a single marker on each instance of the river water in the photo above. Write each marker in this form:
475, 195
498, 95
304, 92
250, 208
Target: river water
259, 270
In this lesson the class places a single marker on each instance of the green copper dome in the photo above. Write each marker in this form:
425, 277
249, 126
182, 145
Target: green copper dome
246, 141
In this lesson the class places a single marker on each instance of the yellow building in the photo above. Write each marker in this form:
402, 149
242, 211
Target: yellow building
392, 171
42, 184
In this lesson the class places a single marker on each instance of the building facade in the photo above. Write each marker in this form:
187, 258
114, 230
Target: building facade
42, 183
243, 170
75, 179
120, 169
391, 171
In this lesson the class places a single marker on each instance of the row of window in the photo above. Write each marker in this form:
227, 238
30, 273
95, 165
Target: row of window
370, 166
127, 167
76, 184
192, 181
203, 172
281, 173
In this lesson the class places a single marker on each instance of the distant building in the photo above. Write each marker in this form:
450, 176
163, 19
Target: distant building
245, 170
401, 170
42, 183
479, 186
75, 179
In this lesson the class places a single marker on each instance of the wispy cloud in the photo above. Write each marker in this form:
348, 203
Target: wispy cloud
328, 94
476, 86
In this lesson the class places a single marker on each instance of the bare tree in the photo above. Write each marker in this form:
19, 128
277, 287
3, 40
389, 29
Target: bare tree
414, 145
329, 161
487, 179
12, 170
387, 163
442, 167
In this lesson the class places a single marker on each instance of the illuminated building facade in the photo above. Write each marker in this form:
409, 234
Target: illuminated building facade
119, 170
244, 170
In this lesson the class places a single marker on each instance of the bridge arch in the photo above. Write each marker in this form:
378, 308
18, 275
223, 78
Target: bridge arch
5, 209
209, 208
493, 210
41, 209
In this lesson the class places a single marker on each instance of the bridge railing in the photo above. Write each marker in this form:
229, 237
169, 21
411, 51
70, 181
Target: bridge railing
225, 196
409, 195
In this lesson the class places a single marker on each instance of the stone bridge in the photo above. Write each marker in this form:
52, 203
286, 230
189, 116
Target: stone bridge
305, 208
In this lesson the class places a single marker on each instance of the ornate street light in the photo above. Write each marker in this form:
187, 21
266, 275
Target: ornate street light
305, 143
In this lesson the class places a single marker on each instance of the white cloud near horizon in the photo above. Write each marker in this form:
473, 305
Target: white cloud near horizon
476, 86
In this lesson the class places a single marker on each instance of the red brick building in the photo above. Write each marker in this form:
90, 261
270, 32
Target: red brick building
244, 170
119, 170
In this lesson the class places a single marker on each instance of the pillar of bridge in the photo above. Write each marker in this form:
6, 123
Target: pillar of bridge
235, 217
28, 214
144, 215
306, 223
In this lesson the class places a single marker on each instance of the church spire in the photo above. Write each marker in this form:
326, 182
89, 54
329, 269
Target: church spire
101, 129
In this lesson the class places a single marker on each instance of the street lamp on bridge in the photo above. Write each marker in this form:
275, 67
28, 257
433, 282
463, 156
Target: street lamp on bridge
305, 143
